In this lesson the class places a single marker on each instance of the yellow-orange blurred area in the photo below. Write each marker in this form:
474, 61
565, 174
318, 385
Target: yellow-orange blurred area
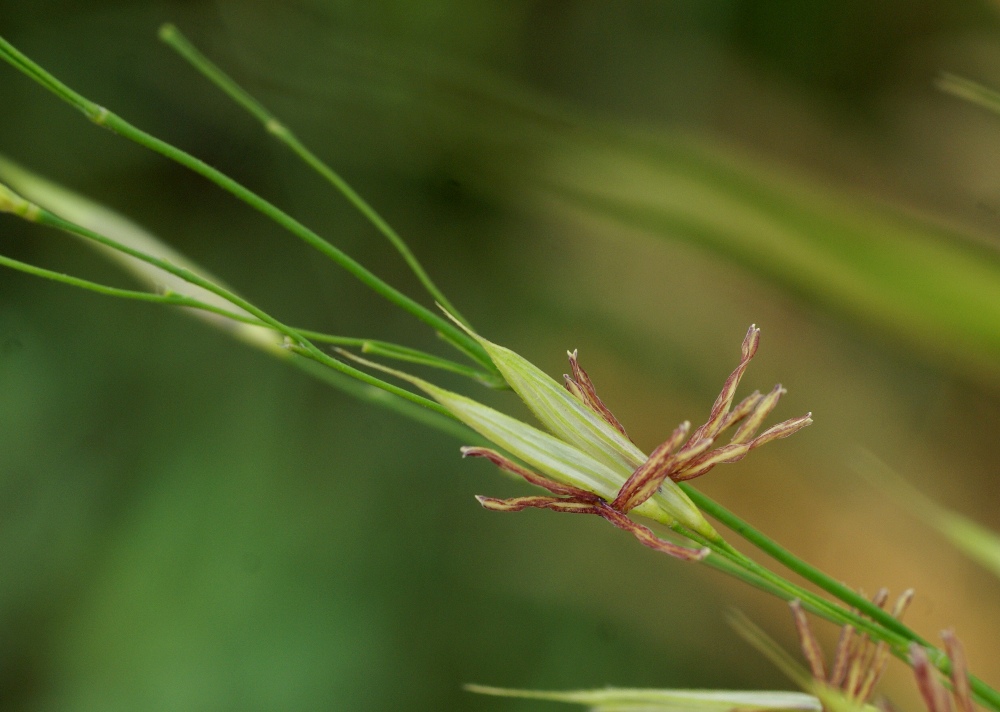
187, 524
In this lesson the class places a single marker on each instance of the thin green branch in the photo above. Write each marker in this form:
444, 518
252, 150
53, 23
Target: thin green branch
404, 353
169, 299
380, 348
414, 408
986, 694
179, 43
380, 397
302, 345
102, 117
794, 563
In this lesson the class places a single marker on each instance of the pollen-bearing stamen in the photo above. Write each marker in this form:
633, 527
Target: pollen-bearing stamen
724, 401
848, 685
582, 387
933, 691
680, 457
858, 663
694, 458
508, 465
648, 477
573, 500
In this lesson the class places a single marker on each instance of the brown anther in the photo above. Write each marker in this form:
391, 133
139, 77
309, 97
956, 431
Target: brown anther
582, 387
508, 465
573, 500
756, 418
935, 696
807, 641
647, 478
959, 671
725, 399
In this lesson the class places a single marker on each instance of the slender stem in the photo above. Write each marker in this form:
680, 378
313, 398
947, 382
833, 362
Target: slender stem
411, 408
102, 117
794, 563
373, 346
380, 397
726, 566
171, 299
301, 344
376, 347
177, 41
404, 353
789, 590
986, 694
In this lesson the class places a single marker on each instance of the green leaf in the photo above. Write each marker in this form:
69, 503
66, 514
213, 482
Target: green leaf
105, 221
611, 698
971, 91
935, 288
979, 543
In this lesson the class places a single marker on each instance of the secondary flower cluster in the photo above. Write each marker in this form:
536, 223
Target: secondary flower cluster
849, 683
858, 663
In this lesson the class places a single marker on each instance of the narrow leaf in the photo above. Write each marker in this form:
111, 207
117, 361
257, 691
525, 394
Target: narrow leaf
666, 700
100, 219
979, 543
971, 91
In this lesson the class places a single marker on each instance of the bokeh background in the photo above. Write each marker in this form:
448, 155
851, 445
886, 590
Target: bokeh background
186, 523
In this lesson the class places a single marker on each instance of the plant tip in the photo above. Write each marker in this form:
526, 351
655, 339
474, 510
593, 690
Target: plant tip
455, 320
168, 31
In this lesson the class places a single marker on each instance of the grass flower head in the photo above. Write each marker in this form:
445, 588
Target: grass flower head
587, 462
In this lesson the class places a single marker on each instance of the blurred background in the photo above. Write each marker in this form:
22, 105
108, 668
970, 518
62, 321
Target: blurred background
186, 523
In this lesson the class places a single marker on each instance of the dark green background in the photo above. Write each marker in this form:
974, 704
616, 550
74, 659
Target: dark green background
187, 524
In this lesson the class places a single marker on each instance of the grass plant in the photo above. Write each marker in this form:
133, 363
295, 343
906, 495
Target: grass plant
588, 463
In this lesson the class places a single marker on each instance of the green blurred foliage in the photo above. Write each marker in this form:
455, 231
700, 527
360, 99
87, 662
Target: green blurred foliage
189, 524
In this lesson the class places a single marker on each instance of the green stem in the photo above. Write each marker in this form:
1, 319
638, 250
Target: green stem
727, 566
170, 299
373, 346
415, 409
176, 40
381, 348
102, 117
304, 346
736, 560
378, 396
987, 695
404, 353
794, 563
